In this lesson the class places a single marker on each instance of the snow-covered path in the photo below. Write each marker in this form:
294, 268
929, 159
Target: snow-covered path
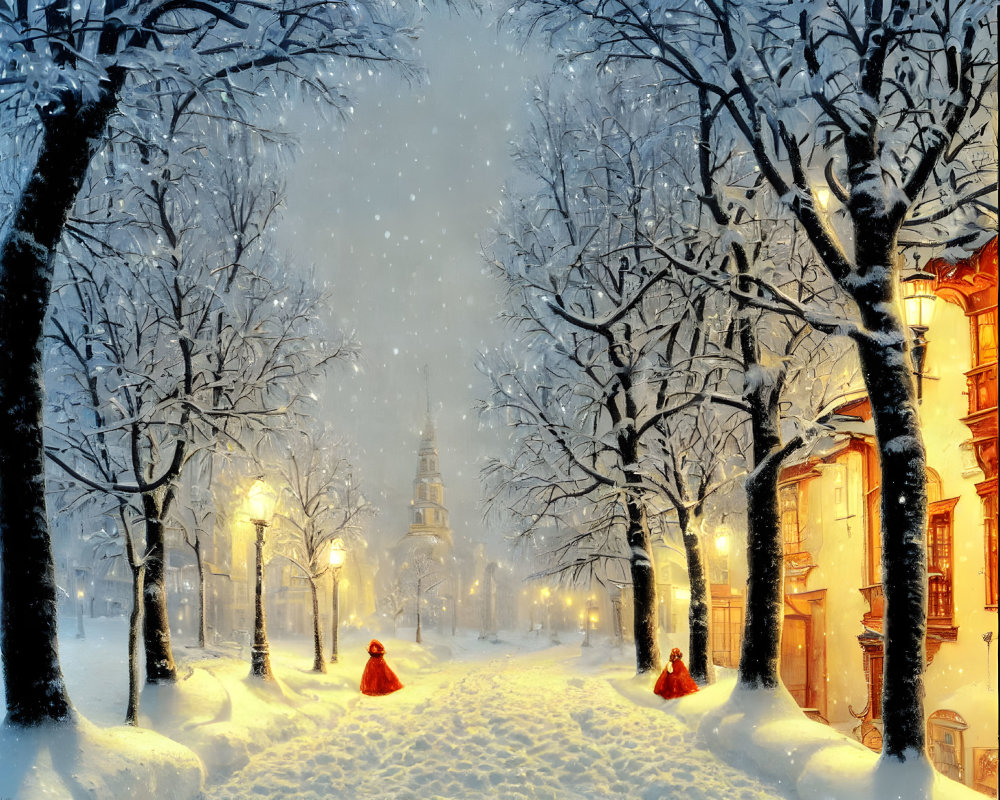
517, 726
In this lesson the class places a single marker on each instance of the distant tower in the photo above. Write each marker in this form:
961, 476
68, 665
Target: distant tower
429, 529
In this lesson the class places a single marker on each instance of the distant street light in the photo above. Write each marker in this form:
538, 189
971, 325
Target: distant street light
590, 619
261, 501
80, 632
549, 622
338, 555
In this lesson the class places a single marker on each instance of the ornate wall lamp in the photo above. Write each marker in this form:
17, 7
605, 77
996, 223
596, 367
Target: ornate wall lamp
918, 306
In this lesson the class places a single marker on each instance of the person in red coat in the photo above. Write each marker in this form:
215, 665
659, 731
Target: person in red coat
675, 680
377, 678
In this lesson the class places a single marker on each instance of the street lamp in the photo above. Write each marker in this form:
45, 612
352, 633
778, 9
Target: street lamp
549, 623
338, 555
918, 307
260, 500
80, 632
590, 619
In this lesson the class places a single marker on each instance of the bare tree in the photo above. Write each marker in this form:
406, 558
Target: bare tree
394, 603
322, 502
98, 57
603, 327
120, 543
884, 107
173, 378
419, 577
690, 460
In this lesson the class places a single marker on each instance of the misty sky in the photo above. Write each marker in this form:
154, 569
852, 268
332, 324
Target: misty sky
390, 208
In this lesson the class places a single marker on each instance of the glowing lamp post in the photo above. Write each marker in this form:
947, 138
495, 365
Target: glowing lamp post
80, 633
547, 601
260, 499
590, 619
918, 307
338, 555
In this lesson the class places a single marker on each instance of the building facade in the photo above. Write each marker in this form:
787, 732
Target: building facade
832, 651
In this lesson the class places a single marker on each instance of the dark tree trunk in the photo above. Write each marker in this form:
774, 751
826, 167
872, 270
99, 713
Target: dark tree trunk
647, 646
761, 647
904, 557
260, 657
700, 610
134, 623
160, 665
319, 663
883, 349
202, 611
335, 620
419, 638
760, 652
33, 681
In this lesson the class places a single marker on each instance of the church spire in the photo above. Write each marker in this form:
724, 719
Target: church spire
427, 386
428, 513
429, 438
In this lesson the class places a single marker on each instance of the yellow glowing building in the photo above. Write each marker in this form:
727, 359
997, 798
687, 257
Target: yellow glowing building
832, 652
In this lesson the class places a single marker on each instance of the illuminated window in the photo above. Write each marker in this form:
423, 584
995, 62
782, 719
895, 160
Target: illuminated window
873, 671
940, 560
791, 532
984, 337
873, 518
990, 514
727, 631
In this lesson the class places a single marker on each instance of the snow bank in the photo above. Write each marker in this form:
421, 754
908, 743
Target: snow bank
82, 761
765, 733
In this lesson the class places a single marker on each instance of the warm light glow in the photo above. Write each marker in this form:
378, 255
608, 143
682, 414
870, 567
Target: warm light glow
79, 593
545, 594
593, 618
822, 194
260, 500
569, 602
338, 555
918, 299
722, 543
682, 594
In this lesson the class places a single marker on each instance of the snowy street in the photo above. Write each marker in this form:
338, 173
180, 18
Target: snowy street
520, 726
519, 718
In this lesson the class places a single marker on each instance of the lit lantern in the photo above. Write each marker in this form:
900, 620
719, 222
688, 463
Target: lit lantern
260, 500
338, 555
918, 300
918, 307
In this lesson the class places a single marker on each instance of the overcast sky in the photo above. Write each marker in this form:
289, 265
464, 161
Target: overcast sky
391, 208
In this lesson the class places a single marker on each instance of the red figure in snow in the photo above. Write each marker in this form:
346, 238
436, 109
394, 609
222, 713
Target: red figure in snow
675, 680
378, 679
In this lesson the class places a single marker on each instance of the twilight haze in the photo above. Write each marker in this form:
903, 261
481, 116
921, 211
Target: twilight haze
390, 207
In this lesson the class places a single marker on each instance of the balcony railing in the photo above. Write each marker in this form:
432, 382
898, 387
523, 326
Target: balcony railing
982, 382
876, 605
